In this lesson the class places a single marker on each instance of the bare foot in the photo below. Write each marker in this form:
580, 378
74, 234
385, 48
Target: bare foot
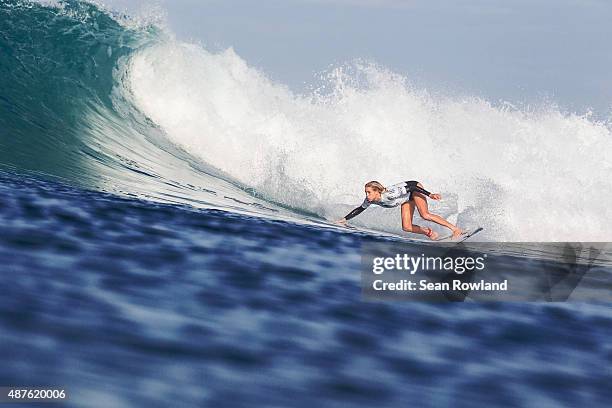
431, 234
457, 232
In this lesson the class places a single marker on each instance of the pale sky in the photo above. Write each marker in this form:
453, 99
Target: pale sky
520, 51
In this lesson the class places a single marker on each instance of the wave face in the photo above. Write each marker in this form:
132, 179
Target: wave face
66, 109
109, 104
57, 84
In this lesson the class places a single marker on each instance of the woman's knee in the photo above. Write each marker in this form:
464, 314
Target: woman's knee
425, 215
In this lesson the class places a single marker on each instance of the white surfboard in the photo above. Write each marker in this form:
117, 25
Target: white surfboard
413, 237
464, 235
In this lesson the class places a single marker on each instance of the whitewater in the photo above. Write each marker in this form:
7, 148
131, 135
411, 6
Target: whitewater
119, 105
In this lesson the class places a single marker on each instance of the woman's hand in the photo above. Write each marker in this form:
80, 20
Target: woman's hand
435, 196
341, 222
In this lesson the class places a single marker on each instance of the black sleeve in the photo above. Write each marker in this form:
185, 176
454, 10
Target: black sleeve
412, 186
354, 213
422, 190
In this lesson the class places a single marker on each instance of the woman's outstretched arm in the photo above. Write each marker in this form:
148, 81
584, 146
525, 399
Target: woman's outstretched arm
355, 212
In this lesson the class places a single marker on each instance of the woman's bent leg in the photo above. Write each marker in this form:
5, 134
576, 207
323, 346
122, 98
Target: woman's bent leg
421, 204
408, 226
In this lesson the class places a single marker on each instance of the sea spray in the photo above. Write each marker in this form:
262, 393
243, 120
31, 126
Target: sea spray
524, 174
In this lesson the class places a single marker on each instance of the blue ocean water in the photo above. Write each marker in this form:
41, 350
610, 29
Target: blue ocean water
135, 275
130, 303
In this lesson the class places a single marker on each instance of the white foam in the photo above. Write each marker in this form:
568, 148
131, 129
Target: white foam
524, 175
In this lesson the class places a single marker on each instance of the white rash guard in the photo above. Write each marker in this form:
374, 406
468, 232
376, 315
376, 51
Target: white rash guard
393, 196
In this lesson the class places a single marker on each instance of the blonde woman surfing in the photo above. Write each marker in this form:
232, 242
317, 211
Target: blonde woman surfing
408, 194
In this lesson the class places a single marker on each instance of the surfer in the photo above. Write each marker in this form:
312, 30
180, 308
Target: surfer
409, 194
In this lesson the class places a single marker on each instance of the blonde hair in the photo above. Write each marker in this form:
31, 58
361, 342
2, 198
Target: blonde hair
375, 185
